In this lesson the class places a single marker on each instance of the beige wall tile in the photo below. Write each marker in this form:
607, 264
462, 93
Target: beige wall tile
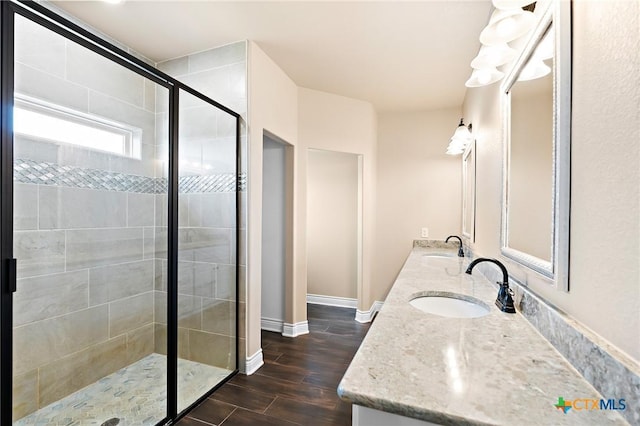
140, 343
69, 208
91, 70
190, 312
160, 274
90, 248
47, 87
149, 95
212, 349
39, 47
183, 343
108, 106
45, 341
218, 57
219, 316
175, 67
226, 282
205, 245
160, 338
39, 252
25, 394
69, 374
25, 206
160, 341
48, 296
196, 278
160, 307
131, 313
140, 209
149, 248
109, 283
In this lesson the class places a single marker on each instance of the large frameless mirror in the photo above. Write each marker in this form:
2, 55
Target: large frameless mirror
537, 112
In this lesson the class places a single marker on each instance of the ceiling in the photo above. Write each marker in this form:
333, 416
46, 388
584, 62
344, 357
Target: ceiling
398, 55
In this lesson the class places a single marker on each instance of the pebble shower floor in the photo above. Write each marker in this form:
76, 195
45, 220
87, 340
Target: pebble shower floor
135, 395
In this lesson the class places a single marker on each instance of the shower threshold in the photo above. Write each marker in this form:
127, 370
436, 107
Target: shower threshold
134, 396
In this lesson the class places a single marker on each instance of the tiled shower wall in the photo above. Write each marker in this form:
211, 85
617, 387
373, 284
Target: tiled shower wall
207, 220
84, 227
91, 227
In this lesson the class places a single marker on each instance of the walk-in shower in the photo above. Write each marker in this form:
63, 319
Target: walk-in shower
118, 232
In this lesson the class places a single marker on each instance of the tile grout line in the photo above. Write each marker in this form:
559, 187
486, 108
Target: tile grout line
270, 404
229, 415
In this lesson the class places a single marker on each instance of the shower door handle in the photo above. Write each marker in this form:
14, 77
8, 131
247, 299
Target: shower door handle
12, 274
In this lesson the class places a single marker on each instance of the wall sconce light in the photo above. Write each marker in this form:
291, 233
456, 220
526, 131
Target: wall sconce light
536, 68
510, 4
507, 25
493, 56
509, 21
460, 139
484, 77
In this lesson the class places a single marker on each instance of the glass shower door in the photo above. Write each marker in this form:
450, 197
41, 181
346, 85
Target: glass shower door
89, 199
207, 248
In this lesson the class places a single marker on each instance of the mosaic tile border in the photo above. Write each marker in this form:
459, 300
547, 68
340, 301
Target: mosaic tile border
43, 173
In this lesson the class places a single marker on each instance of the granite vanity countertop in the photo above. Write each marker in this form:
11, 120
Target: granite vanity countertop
494, 369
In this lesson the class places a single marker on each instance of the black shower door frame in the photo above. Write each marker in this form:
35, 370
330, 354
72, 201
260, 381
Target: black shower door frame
52, 21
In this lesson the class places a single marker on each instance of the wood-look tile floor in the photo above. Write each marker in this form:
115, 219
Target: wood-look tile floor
297, 384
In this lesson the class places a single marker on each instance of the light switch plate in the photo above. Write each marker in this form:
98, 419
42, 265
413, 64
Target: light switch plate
425, 233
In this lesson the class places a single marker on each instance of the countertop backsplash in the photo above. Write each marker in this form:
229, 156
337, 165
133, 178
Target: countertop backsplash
606, 368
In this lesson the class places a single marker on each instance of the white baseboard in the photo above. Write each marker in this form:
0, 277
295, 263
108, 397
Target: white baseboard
294, 330
367, 316
253, 363
271, 324
343, 302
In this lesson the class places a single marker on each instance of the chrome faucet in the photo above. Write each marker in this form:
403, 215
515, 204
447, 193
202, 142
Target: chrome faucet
504, 301
460, 251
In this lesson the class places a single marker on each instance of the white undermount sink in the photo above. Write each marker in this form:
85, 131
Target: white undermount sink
439, 255
450, 305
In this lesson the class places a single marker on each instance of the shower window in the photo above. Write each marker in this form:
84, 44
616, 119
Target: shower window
54, 123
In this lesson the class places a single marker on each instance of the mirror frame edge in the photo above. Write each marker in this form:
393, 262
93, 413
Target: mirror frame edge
557, 269
470, 150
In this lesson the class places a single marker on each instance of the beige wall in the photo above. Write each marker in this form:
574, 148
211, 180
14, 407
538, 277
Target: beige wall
339, 124
273, 106
605, 201
418, 186
332, 224
304, 119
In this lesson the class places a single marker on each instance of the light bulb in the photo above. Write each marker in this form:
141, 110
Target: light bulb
484, 76
506, 26
493, 56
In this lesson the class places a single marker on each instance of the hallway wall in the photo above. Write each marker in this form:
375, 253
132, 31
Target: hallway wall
418, 186
332, 223
343, 125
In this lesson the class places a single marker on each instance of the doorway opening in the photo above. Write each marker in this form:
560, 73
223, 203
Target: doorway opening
277, 197
334, 228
